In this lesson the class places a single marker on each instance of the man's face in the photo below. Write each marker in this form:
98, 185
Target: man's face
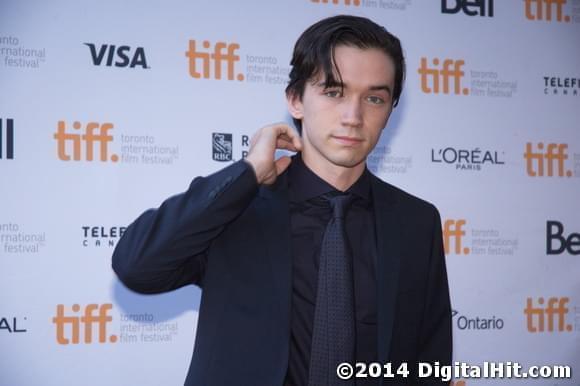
341, 127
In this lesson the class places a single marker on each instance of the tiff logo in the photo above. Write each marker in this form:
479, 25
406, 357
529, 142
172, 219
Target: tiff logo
356, 3
543, 10
122, 54
433, 79
469, 7
555, 154
457, 383
556, 309
89, 138
217, 57
453, 233
7, 139
94, 314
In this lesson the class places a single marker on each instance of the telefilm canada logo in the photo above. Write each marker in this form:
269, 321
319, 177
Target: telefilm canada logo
563, 86
222, 61
101, 236
111, 55
468, 7
475, 159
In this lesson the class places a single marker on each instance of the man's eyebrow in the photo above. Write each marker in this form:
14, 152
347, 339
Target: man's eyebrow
385, 87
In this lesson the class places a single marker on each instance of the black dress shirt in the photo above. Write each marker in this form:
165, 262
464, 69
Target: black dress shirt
309, 215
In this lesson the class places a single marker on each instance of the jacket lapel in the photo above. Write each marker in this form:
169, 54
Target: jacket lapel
389, 253
274, 214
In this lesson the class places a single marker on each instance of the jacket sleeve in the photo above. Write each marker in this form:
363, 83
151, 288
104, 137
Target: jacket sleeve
436, 329
166, 248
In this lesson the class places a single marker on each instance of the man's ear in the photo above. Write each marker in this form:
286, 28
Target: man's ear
295, 106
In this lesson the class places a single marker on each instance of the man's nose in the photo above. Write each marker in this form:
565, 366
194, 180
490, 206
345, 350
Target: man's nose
352, 113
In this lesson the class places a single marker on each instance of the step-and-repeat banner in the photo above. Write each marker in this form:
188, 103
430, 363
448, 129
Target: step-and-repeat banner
109, 107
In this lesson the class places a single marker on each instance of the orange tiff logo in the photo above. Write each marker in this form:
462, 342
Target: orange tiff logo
69, 327
554, 312
458, 383
543, 161
453, 234
201, 60
436, 78
94, 133
356, 3
545, 9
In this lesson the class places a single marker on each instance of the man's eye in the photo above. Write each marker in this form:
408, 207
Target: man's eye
332, 93
376, 100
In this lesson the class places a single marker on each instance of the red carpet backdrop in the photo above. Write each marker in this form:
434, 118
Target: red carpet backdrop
109, 107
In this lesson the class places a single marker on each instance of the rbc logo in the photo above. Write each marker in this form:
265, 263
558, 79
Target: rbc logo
217, 57
433, 79
123, 55
83, 323
222, 147
469, 7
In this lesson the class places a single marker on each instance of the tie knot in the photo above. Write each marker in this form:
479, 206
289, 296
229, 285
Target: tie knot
340, 204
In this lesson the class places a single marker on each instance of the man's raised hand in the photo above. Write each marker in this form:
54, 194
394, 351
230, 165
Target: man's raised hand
263, 147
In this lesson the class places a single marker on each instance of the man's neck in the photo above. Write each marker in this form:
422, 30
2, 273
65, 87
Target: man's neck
340, 177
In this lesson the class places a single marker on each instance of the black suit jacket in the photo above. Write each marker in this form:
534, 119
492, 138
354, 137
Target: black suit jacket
232, 239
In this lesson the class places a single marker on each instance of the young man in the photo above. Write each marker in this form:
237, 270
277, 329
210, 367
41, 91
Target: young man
310, 261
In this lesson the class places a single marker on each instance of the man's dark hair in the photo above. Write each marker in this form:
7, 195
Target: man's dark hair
314, 52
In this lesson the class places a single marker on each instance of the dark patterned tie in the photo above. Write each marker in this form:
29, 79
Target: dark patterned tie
333, 335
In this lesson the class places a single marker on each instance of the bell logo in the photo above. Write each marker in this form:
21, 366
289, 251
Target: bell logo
93, 314
7, 139
555, 153
469, 7
89, 138
433, 78
545, 9
356, 3
453, 232
556, 309
222, 52
557, 243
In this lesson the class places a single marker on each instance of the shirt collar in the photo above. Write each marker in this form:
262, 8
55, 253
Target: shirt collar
304, 184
